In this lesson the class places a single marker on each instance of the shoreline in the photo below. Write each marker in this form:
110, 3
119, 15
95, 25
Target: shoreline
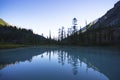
12, 46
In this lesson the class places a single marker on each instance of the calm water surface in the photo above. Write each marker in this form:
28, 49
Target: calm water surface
60, 63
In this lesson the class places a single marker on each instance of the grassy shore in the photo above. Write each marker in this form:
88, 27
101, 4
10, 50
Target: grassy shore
9, 46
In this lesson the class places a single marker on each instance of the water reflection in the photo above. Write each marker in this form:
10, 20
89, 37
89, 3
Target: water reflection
60, 64
73, 60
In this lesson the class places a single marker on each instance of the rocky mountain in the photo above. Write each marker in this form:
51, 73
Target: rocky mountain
102, 31
110, 19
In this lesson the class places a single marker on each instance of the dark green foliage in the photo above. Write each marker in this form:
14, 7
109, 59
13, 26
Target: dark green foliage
99, 36
10, 34
102, 31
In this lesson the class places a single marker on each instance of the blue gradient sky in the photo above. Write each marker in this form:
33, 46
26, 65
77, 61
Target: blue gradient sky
45, 15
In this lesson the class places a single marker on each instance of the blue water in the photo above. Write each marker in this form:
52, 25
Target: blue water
60, 63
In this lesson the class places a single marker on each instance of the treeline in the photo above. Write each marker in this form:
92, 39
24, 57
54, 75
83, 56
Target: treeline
12, 34
90, 35
100, 36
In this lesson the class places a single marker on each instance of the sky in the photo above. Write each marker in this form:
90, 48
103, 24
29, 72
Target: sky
43, 16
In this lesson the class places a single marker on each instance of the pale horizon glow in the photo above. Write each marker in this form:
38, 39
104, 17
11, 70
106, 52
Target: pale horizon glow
43, 16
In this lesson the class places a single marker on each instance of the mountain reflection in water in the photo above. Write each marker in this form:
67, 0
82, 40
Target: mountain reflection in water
66, 63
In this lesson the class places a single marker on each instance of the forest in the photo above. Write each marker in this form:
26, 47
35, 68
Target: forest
90, 36
103, 31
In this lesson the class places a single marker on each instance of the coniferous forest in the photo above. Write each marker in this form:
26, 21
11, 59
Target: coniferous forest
69, 51
102, 31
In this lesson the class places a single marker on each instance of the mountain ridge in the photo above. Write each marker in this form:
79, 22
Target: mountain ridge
102, 31
3, 23
13, 35
110, 19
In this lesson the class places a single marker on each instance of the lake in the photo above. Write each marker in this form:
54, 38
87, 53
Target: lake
60, 63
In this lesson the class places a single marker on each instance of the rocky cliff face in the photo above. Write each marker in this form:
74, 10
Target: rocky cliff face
110, 19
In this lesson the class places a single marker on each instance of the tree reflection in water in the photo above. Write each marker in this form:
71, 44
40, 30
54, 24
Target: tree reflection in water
74, 60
